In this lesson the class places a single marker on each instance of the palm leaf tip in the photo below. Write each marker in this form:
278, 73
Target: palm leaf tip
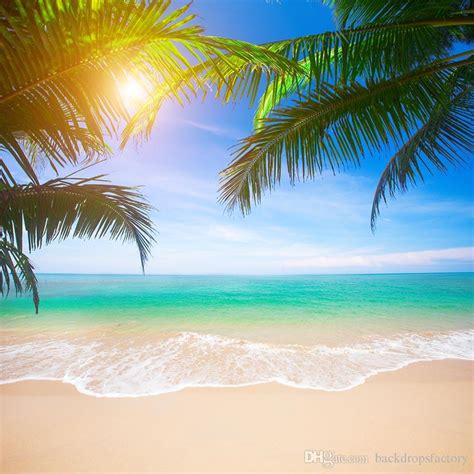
444, 139
16, 269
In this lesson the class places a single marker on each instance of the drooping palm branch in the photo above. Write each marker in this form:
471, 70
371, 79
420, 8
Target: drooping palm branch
16, 269
445, 138
76, 207
372, 83
332, 128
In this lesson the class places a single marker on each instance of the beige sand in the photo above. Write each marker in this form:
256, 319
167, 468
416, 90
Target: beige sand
423, 409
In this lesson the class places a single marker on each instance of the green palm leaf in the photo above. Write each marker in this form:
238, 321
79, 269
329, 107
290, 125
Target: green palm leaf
93, 150
77, 207
16, 269
331, 128
357, 12
445, 138
383, 39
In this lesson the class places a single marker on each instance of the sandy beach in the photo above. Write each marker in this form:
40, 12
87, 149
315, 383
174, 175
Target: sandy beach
422, 410
236, 236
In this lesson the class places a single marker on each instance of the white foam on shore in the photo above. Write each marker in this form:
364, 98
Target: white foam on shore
133, 367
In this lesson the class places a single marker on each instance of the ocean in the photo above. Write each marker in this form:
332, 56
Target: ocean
134, 335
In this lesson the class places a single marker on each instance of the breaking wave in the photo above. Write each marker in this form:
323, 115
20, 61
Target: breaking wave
133, 367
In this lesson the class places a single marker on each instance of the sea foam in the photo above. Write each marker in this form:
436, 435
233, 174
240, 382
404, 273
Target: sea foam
133, 367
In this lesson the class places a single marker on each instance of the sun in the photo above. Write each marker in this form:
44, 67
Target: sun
132, 92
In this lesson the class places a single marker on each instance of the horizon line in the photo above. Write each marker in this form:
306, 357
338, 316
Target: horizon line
257, 274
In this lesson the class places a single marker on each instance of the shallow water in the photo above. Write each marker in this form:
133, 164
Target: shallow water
133, 335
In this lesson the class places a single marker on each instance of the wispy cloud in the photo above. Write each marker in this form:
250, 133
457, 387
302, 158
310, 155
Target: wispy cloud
399, 259
415, 203
216, 129
233, 234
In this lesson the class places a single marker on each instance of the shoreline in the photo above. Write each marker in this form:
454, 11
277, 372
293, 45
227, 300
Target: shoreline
365, 378
420, 410
112, 364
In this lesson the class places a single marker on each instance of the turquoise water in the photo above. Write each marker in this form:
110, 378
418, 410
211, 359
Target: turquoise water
325, 331
253, 299
308, 306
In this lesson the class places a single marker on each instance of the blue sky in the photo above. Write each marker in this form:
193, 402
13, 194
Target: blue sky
315, 227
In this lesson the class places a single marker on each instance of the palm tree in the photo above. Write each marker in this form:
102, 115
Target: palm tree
396, 72
62, 65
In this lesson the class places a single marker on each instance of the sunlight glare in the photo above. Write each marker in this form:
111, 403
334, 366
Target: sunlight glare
132, 92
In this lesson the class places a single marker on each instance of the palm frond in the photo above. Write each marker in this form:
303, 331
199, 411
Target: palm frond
445, 138
17, 270
76, 207
384, 45
331, 128
380, 48
240, 70
93, 150
357, 12
229, 70
62, 63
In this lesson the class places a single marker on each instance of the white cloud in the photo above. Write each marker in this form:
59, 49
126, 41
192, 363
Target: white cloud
423, 257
